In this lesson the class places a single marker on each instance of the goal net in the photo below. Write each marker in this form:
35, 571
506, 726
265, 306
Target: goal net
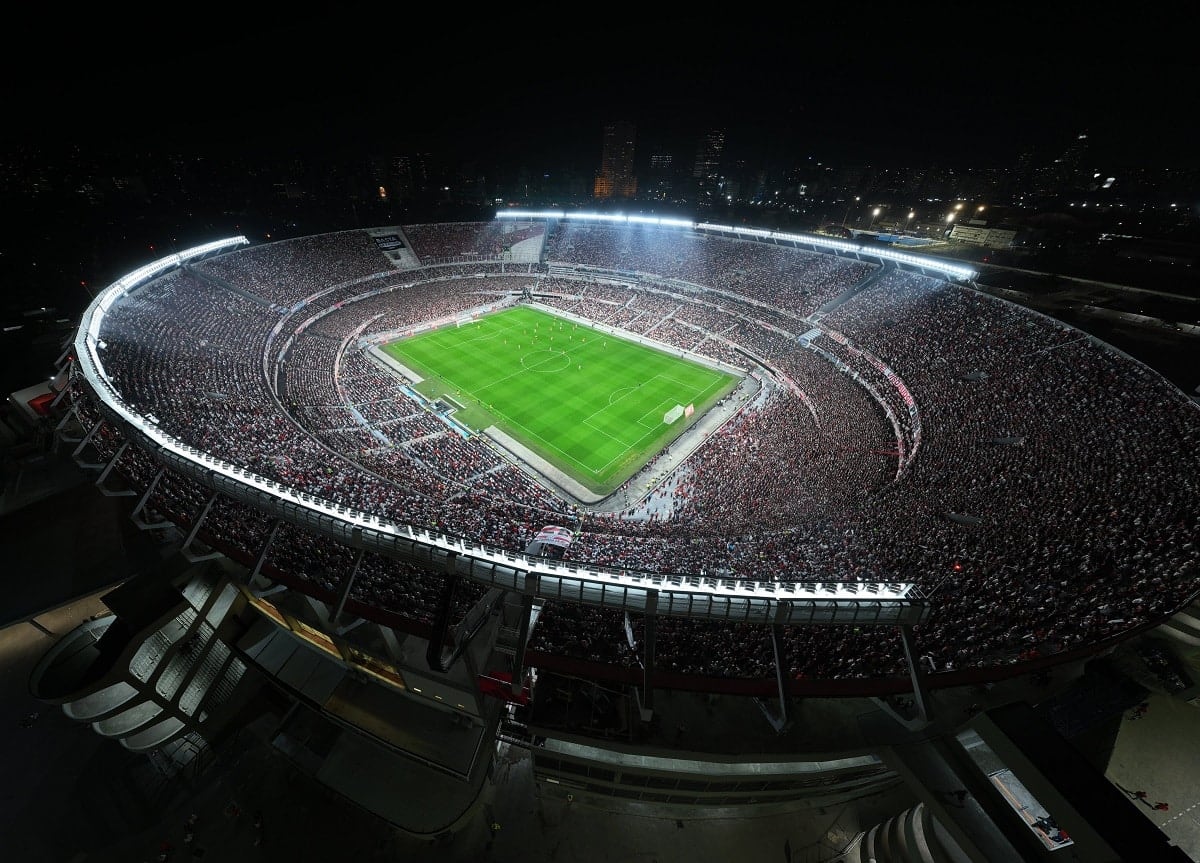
673, 414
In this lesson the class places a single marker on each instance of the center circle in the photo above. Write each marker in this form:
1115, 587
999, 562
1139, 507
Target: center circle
546, 361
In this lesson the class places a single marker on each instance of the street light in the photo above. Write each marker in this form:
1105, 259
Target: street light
874, 215
908, 221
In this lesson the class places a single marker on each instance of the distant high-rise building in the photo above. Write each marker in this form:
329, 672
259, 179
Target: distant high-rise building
402, 177
616, 179
1069, 169
660, 176
707, 169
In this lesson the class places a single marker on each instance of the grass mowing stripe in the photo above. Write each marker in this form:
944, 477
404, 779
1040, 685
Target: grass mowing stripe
587, 401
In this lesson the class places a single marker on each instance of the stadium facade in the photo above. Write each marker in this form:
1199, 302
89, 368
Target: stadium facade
924, 493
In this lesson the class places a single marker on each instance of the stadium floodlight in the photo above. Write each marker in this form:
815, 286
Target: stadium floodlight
596, 217
529, 214
142, 274
953, 271
656, 220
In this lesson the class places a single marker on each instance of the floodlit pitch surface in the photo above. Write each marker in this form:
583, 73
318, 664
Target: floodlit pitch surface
588, 402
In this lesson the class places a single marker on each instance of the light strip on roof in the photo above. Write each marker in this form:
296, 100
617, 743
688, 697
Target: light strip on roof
953, 271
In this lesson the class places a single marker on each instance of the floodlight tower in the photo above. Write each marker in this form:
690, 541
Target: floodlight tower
846, 217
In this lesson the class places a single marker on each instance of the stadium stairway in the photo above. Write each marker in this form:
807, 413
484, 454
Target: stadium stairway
1184, 625
232, 288
845, 295
912, 836
154, 672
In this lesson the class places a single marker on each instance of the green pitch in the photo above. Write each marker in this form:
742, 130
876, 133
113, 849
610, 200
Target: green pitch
589, 403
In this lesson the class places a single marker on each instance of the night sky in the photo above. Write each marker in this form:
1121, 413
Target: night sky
895, 85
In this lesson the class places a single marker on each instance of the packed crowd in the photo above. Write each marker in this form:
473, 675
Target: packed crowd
287, 271
790, 280
1052, 502
455, 242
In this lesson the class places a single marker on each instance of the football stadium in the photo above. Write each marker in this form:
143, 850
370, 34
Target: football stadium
695, 515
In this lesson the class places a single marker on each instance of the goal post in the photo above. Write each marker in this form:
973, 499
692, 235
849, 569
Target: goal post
673, 414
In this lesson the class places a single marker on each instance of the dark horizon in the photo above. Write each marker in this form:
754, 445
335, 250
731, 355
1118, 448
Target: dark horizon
840, 89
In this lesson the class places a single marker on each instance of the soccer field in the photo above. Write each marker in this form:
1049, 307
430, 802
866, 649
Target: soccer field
589, 403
